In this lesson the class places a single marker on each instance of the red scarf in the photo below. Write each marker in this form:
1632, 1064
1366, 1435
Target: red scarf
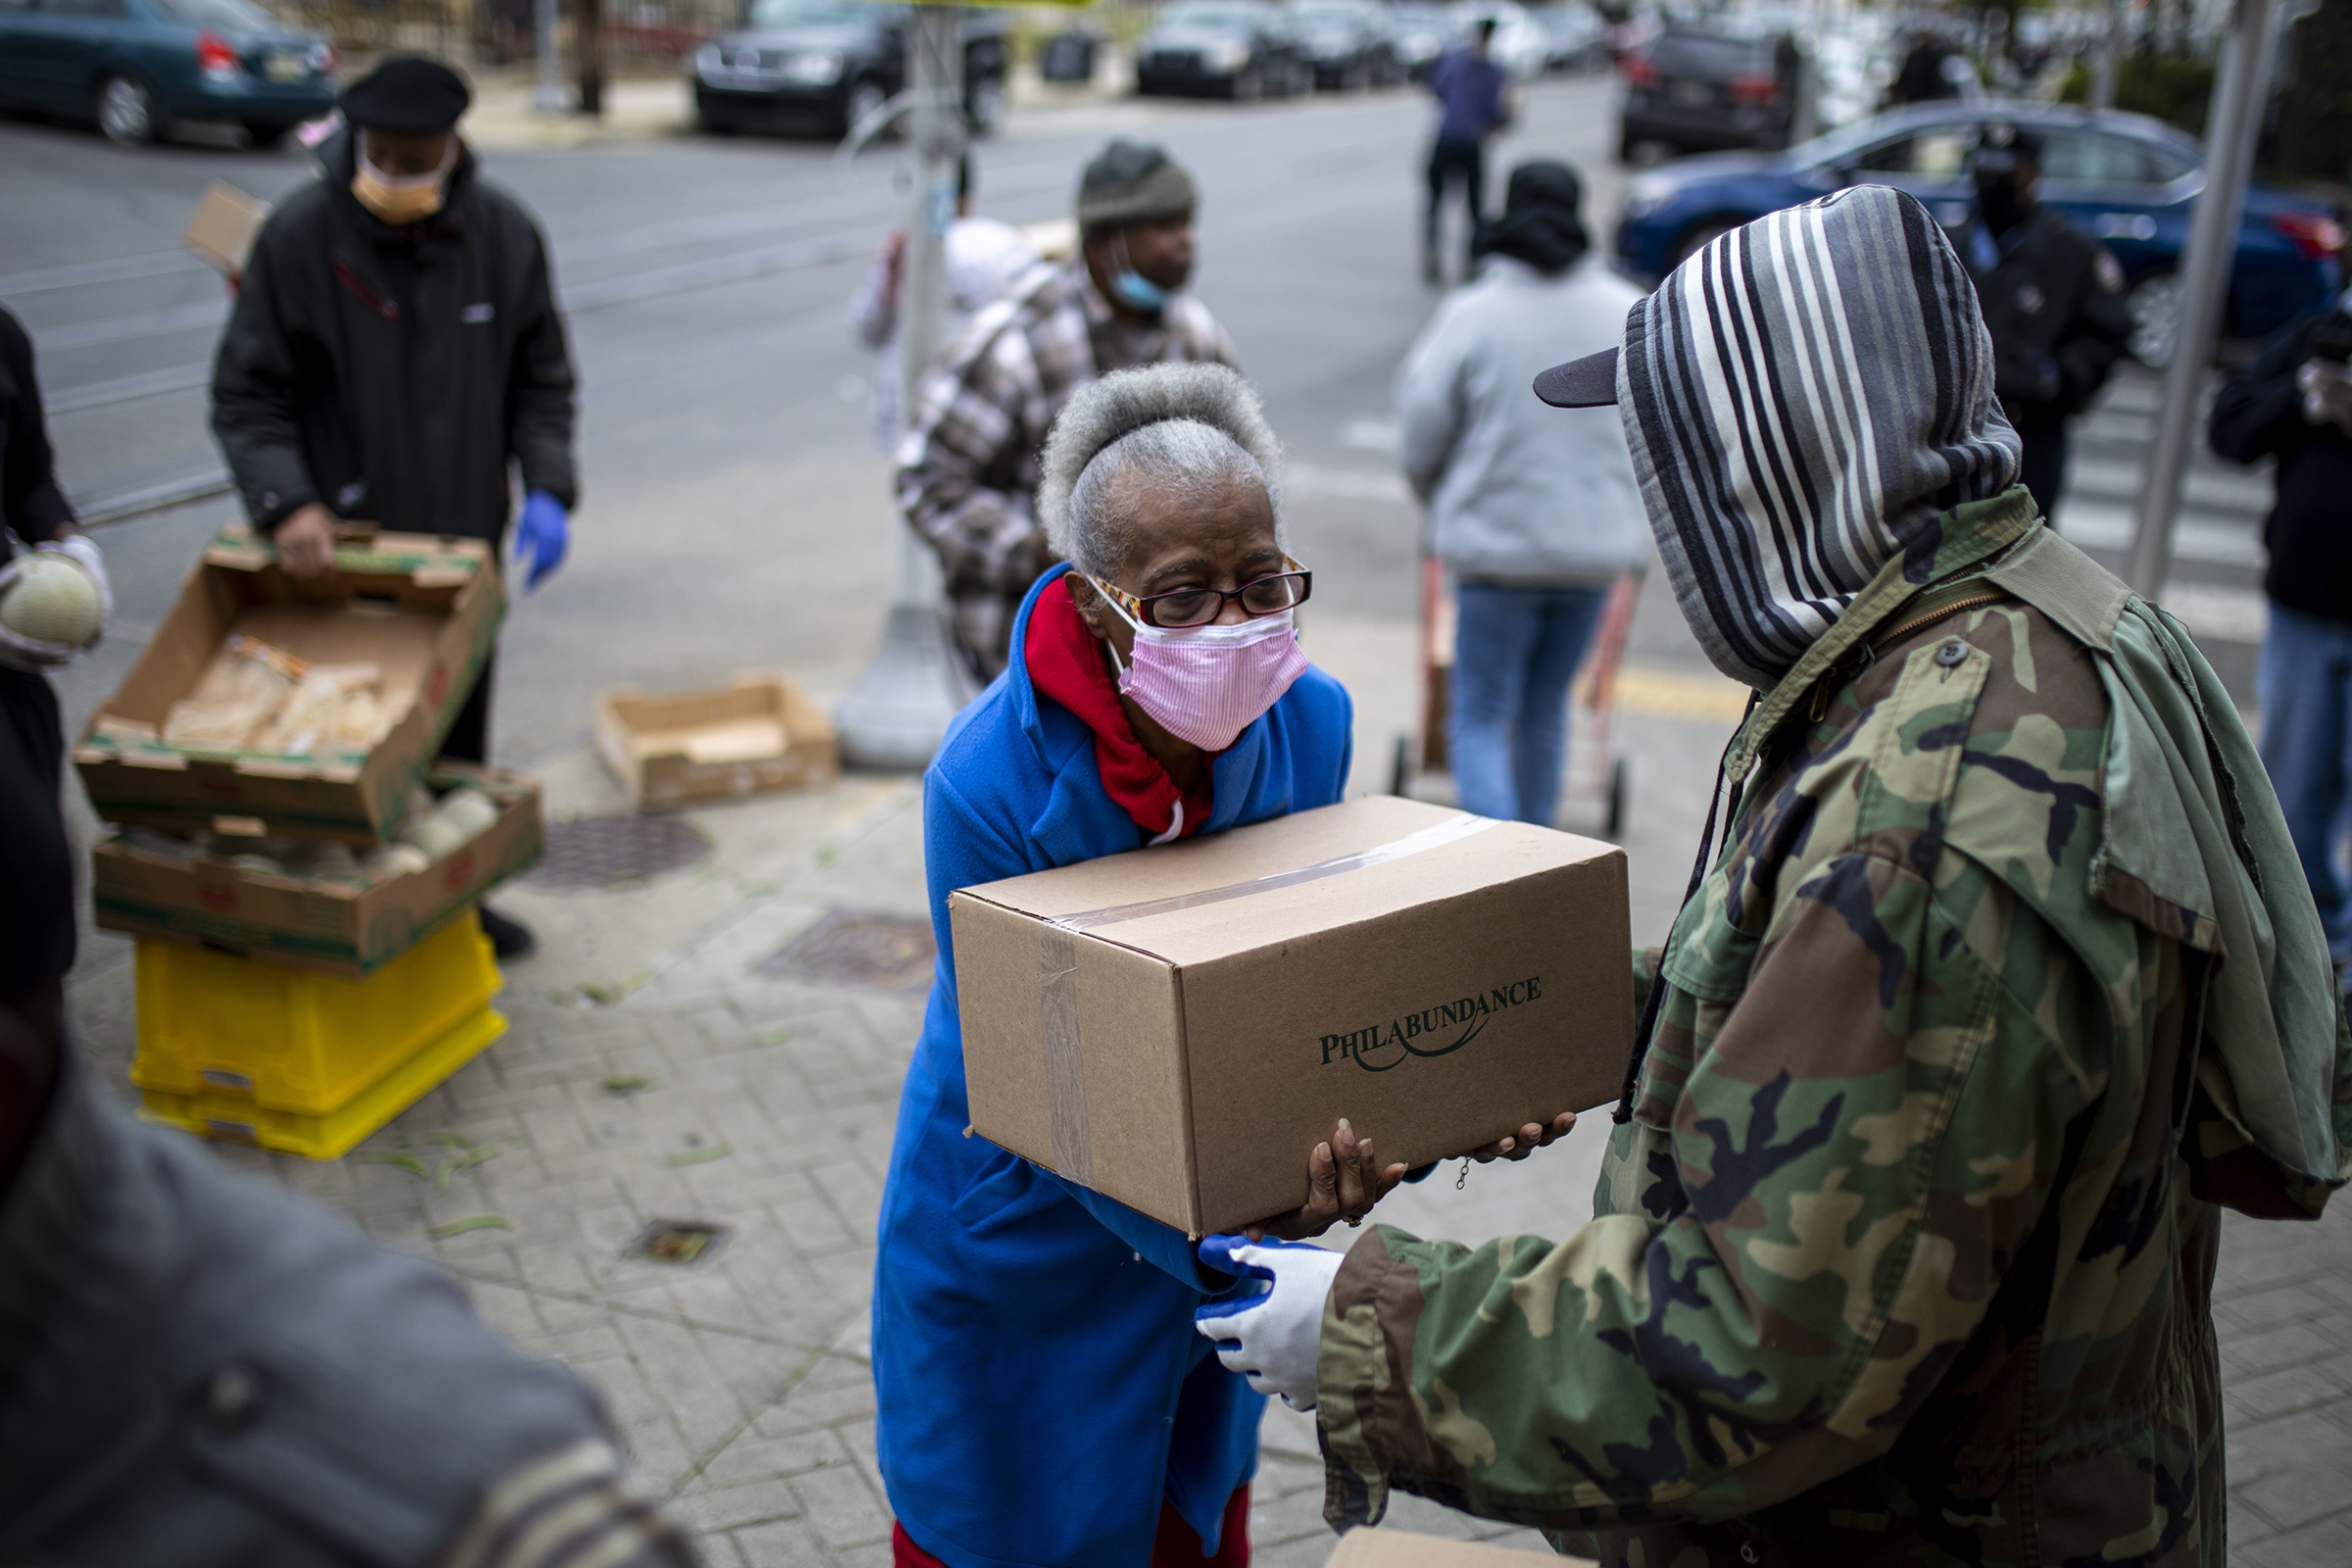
1066, 663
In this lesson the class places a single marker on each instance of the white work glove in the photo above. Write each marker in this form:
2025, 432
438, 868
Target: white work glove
2327, 394
30, 653
1270, 1338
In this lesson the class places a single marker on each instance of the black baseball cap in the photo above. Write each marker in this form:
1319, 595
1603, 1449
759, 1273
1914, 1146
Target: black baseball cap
408, 95
1586, 383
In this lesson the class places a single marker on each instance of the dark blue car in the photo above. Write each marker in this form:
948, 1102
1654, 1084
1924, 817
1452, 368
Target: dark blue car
2131, 180
136, 66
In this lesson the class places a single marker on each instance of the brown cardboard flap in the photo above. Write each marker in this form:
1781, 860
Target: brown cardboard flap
1403, 1549
224, 226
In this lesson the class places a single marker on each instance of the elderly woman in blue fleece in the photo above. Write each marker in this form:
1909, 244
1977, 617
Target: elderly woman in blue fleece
1157, 691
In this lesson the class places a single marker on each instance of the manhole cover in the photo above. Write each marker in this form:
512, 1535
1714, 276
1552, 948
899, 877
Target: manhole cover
676, 1241
601, 852
888, 951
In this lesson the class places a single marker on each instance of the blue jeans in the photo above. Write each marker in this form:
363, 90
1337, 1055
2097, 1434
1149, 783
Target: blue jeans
1515, 652
2304, 684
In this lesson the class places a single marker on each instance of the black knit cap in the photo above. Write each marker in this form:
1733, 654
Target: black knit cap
408, 95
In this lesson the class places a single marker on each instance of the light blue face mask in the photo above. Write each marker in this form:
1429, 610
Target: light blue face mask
1134, 290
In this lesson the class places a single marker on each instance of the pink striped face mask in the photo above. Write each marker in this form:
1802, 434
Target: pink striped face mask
1206, 684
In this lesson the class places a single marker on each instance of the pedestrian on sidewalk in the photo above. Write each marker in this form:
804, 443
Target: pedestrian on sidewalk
1473, 96
1041, 1396
2294, 404
985, 257
2002, 990
2053, 301
968, 465
37, 927
394, 353
1535, 513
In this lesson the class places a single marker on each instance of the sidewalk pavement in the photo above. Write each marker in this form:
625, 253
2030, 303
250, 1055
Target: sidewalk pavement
658, 1068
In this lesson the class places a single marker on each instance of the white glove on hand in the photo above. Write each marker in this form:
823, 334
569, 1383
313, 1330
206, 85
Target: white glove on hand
2327, 394
32, 654
1270, 1338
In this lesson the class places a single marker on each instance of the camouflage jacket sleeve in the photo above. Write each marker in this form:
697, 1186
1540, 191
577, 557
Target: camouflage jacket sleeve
1867, 1062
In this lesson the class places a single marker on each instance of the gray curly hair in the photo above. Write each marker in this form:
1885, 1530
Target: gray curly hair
1197, 427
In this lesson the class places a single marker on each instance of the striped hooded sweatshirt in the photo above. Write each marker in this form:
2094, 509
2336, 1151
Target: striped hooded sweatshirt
2004, 988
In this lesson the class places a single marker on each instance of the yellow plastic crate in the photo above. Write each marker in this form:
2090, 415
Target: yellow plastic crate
289, 1040
236, 1119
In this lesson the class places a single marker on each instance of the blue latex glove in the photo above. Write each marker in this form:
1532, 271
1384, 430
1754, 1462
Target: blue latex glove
1270, 1337
541, 536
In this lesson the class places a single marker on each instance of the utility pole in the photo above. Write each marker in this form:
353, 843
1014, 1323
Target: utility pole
2110, 63
588, 42
2231, 127
549, 99
896, 715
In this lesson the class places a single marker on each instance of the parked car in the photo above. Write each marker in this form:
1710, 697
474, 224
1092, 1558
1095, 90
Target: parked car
1239, 49
2129, 180
1689, 89
1419, 31
1575, 39
1346, 43
136, 67
828, 65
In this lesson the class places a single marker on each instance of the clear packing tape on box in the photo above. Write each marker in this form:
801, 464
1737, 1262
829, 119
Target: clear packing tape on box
1057, 962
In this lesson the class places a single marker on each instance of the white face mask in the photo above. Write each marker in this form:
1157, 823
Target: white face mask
1206, 684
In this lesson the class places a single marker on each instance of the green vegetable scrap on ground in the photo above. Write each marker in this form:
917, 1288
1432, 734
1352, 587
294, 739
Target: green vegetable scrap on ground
626, 1083
701, 1155
471, 1222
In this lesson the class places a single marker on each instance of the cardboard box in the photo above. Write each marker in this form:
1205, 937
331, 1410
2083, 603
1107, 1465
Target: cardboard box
756, 734
1177, 1027
225, 227
425, 609
336, 926
1401, 1549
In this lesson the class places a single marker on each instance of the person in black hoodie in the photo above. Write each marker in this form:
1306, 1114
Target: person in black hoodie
2294, 404
36, 860
394, 350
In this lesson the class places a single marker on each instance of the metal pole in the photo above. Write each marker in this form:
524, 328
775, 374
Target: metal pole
2110, 63
2230, 126
549, 99
899, 712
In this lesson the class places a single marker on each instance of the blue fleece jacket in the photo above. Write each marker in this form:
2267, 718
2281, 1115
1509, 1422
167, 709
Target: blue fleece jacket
1041, 1387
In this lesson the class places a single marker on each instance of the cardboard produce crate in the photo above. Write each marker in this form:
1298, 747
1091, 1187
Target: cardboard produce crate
423, 608
224, 226
338, 926
757, 733
1177, 1027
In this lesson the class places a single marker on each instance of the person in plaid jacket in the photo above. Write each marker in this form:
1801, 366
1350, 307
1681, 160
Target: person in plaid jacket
968, 463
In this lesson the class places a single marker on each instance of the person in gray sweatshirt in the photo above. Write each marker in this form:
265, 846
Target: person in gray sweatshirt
1534, 516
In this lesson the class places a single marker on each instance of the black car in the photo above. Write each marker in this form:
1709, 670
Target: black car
828, 65
1692, 91
1239, 49
1346, 43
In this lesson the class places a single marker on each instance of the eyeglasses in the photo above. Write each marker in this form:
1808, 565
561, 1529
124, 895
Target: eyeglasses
1197, 606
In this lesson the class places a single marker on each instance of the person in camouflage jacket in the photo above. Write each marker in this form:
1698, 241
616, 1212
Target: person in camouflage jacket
2004, 984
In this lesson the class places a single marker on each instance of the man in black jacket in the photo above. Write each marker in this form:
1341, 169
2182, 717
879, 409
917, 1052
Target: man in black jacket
36, 861
2294, 404
2053, 301
394, 349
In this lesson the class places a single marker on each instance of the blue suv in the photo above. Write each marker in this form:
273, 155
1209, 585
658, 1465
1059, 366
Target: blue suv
136, 66
2129, 180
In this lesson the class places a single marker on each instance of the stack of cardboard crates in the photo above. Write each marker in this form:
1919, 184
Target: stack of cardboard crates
300, 868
